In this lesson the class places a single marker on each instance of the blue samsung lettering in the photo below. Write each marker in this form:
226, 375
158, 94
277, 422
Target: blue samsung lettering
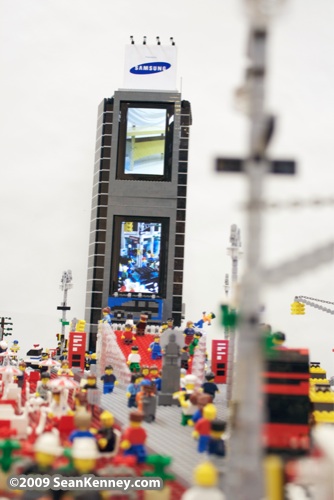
148, 68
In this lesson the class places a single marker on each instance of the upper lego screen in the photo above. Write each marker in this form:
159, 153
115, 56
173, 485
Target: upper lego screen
145, 141
139, 255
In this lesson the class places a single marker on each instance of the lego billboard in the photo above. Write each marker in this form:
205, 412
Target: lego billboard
150, 67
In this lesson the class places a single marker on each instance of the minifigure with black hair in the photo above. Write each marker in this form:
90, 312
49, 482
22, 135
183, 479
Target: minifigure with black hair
209, 386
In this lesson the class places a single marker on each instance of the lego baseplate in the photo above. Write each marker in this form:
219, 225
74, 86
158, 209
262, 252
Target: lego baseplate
166, 436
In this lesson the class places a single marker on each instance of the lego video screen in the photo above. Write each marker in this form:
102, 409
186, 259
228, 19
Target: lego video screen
145, 142
139, 260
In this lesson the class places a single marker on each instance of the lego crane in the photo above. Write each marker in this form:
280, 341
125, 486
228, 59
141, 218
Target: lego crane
298, 306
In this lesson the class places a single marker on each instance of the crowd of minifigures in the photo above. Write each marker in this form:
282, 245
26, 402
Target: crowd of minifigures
51, 419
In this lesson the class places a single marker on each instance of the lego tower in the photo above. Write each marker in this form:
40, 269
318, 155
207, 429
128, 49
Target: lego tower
137, 232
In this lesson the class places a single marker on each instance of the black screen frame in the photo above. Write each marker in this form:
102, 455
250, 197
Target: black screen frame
116, 257
122, 138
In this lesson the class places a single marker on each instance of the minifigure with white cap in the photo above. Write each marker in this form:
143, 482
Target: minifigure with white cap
188, 408
46, 450
85, 454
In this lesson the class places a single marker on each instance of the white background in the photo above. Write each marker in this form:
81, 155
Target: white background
60, 58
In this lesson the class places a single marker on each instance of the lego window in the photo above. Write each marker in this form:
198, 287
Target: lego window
139, 261
145, 141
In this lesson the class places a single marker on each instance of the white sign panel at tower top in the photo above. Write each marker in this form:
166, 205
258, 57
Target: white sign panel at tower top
150, 67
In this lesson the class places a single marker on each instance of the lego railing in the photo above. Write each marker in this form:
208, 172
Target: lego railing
198, 362
109, 353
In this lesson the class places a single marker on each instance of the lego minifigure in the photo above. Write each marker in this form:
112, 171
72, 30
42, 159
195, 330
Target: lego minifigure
147, 400
80, 399
46, 450
278, 339
106, 315
206, 318
188, 332
170, 323
209, 387
155, 348
163, 327
91, 382
87, 360
84, 454
82, 423
92, 362
145, 371
203, 427
155, 377
93, 359
128, 335
206, 480
216, 444
106, 437
134, 359
188, 408
64, 369
183, 373
58, 350
134, 437
15, 347
132, 389
23, 378
44, 368
200, 399
194, 343
141, 325
185, 357
64, 355
109, 380
43, 390
58, 406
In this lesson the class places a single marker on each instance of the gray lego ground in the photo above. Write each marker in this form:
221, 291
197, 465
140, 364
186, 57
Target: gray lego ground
166, 436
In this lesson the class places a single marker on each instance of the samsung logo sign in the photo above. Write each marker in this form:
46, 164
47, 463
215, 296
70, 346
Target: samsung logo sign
149, 68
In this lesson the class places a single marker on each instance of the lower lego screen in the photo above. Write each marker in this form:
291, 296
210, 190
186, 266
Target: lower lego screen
139, 255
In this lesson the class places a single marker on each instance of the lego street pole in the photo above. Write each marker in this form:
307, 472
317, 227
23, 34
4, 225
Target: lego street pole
65, 286
230, 332
245, 455
234, 252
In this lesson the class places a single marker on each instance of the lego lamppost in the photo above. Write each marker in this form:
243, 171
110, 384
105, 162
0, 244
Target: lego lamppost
234, 252
245, 454
64, 286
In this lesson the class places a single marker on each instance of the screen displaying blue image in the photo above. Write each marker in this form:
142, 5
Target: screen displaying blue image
139, 257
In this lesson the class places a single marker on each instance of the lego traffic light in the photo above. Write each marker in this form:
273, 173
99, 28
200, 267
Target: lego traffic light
7, 326
80, 326
128, 227
297, 308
